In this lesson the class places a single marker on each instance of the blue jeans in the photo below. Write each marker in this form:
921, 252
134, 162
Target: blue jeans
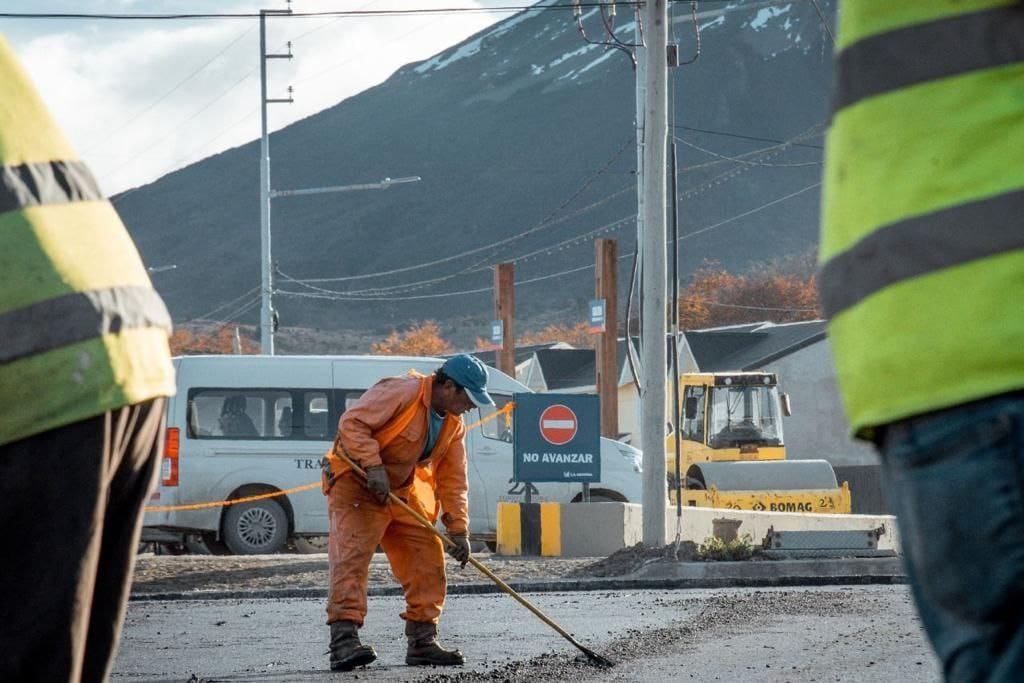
955, 479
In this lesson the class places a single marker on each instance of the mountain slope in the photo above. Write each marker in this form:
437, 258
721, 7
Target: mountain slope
522, 124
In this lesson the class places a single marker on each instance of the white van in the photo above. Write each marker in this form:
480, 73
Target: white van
245, 425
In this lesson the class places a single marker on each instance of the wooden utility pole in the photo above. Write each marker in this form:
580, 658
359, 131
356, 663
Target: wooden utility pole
505, 311
607, 381
653, 353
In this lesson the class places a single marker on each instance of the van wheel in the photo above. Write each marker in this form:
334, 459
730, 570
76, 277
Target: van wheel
256, 528
306, 545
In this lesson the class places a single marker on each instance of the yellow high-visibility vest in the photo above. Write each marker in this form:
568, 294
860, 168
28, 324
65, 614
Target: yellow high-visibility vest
82, 331
922, 247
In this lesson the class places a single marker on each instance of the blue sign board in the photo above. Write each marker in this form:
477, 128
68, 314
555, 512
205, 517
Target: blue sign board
597, 316
498, 332
557, 437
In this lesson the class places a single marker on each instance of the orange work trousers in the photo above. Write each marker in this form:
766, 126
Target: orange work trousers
358, 525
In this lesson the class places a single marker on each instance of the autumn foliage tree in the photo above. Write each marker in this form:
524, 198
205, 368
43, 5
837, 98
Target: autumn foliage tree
715, 297
423, 339
577, 335
221, 340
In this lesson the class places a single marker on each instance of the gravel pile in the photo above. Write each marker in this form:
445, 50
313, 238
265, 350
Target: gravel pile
629, 560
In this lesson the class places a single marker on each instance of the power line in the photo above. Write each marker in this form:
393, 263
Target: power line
413, 286
335, 297
335, 67
306, 14
241, 310
351, 296
420, 284
546, 222
751, 211
181, 158
224, 305
180, 83
740, 160
824, 23
744, 137
174, 131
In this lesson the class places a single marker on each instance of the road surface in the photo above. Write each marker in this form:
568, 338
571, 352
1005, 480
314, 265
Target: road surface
863, 633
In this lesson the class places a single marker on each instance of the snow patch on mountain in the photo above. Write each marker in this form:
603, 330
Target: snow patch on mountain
765, 14
441, 61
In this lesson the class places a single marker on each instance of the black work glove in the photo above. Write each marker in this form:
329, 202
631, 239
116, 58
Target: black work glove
460, 551
377, 482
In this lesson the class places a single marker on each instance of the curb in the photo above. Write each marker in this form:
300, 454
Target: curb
559, 586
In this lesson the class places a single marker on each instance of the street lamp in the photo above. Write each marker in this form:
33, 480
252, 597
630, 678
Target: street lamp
382, 185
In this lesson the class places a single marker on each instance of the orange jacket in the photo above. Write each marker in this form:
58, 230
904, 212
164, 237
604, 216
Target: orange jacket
364, 426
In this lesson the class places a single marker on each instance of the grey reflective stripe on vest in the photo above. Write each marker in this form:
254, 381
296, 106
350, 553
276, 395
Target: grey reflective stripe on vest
72, 318
927, 52
922, 245
46, 182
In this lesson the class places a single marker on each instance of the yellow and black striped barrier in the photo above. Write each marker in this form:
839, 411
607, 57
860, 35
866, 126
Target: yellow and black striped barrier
529, 529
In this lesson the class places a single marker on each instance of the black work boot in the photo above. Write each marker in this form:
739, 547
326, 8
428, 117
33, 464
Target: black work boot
424, 648
346, 651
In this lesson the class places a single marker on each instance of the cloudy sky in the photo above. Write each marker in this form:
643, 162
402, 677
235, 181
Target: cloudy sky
144, 97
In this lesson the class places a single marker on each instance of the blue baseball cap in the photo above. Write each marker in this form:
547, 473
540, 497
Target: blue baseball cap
469, 373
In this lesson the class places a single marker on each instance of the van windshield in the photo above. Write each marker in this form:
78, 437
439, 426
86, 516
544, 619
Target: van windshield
499, 428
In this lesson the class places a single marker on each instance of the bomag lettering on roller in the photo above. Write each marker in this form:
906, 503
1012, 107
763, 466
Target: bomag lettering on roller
733, 453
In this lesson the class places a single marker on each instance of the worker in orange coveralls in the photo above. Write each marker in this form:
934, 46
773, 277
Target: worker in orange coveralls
409, 436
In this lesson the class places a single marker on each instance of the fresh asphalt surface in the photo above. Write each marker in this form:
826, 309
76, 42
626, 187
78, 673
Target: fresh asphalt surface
825, 633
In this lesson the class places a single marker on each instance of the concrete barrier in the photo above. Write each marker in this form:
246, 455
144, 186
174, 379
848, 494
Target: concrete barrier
600, 529
573, 530
697, 524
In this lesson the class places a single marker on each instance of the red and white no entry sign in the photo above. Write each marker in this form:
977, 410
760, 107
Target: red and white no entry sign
558, 424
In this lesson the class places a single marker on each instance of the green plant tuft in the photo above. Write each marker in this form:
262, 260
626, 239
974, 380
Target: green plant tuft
714, 549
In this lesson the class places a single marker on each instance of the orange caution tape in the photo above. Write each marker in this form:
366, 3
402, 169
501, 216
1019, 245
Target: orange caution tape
505, 410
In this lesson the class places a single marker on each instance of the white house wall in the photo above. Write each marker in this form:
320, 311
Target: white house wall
818, 426
629, 414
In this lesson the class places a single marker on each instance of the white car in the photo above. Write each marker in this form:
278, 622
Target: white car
245, 425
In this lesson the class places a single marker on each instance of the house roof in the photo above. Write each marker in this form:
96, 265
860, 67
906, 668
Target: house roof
522, 352
739, 347
749, 347
566, 368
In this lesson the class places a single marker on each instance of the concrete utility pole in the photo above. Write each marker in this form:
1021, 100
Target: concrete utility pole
266, 284
606, 286
641, 99
653, 353
505, 311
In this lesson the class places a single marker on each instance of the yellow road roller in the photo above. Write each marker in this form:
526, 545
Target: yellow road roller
732, 451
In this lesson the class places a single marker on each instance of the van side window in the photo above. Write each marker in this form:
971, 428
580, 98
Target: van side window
351, 397
271, 414
285, 421
499, 428
316, 414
